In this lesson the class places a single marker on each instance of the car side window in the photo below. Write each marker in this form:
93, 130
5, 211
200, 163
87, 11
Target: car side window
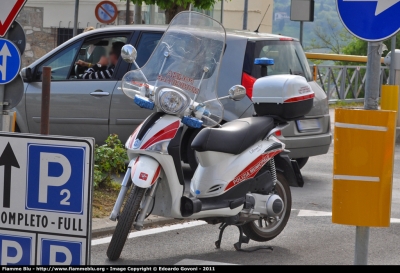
147, 43
60, 63
91, 51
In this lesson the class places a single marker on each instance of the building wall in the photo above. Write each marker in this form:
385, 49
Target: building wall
233, 15
60, 13
39, 39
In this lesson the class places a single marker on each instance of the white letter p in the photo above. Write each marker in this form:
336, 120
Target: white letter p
45, 180
60, 249
5, 259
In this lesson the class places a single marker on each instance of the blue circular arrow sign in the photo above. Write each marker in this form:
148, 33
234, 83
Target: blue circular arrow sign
10, 61
370, 20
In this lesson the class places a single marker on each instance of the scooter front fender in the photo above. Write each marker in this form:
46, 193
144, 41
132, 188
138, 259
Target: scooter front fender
145, 171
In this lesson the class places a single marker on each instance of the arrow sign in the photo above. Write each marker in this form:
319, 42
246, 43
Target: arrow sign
8, 12
10, 61
370, 20
4, 53
381, 5
8, 160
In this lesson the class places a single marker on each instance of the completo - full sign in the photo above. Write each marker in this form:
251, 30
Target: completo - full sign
45, 199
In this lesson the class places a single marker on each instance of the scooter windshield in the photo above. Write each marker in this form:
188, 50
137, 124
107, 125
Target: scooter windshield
187, 59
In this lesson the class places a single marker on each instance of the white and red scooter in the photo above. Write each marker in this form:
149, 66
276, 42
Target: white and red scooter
236, 182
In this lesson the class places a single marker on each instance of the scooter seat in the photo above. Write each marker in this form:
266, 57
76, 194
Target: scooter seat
233, 137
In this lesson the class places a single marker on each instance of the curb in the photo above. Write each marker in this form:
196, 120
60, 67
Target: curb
109, 230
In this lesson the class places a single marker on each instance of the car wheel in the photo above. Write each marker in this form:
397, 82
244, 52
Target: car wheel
302, 161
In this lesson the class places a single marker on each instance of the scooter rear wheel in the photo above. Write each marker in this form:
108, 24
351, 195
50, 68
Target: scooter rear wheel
266, 229
125, 222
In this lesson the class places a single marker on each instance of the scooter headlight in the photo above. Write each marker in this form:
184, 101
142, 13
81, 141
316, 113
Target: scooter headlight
172, 102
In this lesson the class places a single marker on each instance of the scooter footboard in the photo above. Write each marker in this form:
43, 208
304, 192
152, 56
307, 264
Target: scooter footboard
145, 171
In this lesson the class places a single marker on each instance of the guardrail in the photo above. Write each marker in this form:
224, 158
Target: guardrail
344, 82
338, 57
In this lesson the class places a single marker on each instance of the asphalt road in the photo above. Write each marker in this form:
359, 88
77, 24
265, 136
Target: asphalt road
309, 238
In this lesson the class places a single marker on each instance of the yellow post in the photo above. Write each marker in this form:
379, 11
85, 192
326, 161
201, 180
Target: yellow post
363, 167
315, 72
390, 97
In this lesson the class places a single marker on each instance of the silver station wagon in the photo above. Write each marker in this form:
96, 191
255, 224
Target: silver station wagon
98, 108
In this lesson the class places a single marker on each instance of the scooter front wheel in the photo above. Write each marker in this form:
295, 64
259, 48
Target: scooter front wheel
125, 222
268, 228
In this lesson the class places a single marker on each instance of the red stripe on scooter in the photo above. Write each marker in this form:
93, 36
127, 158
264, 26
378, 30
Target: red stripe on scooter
301, 98
167, 133
156, 175
251, 170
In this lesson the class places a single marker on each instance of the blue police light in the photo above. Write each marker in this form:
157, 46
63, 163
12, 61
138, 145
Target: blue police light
264, 61
144, 102
192, 122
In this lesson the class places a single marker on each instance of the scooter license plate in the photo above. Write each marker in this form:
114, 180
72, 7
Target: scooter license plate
308, 125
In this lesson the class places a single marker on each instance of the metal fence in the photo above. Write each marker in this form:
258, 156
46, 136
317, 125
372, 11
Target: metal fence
344, 82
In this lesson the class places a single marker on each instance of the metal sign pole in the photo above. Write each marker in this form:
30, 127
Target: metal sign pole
1, 106
127, 16
245, 14
76, 18
372, 83
371, 103
392, 73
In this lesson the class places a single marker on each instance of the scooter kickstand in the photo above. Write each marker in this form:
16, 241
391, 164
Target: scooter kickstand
222, 227
243, 239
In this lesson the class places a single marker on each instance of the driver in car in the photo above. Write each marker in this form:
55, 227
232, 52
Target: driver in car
102, 70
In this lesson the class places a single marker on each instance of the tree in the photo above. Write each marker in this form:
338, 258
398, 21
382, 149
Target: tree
330, 35
360, 47
173, 7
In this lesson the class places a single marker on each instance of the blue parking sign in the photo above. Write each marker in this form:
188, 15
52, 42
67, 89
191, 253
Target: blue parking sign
45, 199
55, 178
15, 250
55, 252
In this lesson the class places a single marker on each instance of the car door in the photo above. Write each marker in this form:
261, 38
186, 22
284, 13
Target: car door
77, 107
125, 115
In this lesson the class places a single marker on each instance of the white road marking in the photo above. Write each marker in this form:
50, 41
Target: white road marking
199, 262
307, 213
6, 7
361, 126
381, 5
151, 231
356, 178
316, 213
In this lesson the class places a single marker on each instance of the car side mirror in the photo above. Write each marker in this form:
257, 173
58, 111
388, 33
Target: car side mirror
128, 53
26, 74
237, 92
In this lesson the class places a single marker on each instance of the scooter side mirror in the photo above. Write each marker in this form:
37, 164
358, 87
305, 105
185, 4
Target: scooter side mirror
237, 92
128, 53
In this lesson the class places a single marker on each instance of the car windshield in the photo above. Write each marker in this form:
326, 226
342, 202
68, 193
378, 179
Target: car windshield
288, 56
